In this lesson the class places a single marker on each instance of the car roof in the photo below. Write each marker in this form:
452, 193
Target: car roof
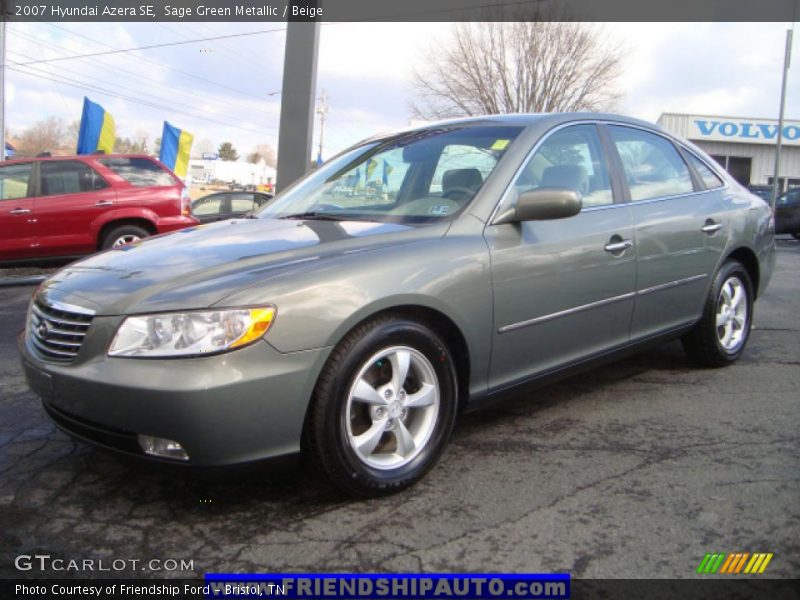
522, 120
75, 157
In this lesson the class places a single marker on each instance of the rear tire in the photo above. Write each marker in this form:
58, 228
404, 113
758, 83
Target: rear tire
124, 234
383, 408
720, 336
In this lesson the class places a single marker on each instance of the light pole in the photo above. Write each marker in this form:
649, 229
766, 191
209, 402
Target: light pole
787, 59
3, 84
322, 111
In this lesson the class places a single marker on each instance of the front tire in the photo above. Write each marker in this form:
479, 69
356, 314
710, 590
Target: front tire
384, 407
720, 336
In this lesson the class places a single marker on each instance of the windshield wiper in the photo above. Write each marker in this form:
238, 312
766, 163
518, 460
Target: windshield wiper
315, 215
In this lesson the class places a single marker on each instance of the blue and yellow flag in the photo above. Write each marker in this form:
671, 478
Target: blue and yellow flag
387, 170
176, 144
371, 164
97, 131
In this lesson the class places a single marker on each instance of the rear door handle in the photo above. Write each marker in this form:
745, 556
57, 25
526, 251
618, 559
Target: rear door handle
711, 227
104, 203
620, 246
20, 211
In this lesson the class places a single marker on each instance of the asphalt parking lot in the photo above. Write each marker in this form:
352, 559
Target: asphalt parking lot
636, 469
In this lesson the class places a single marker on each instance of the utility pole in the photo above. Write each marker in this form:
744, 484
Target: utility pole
787, 59
3, 84
322, 111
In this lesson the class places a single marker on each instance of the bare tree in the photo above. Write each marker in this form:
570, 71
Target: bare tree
72, 133
47, 135
141, 139
507, 67
266, 152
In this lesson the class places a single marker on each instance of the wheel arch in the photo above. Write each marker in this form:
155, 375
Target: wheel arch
749, 260
122, 221
440, 323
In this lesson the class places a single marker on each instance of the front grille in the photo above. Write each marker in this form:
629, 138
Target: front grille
57, 331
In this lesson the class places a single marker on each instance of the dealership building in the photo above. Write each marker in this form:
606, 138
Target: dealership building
745, 147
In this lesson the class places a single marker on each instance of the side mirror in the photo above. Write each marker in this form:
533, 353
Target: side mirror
543, 205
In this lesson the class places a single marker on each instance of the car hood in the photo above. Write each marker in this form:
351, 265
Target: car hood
200, 266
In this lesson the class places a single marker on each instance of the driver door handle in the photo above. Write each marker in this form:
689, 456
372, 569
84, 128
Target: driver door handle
104, 203
620, 246
20, 211
711, 227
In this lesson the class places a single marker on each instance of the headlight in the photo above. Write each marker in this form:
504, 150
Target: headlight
190, 333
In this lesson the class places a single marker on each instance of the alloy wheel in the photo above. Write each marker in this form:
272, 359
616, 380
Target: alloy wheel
392, 407
125, 239
732, 314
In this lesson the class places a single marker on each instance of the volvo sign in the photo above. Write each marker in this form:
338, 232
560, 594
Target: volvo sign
748, 131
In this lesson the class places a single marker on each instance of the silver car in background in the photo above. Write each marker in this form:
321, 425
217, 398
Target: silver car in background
411, 277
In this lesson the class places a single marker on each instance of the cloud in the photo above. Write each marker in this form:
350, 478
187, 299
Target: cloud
706, 68
709, 68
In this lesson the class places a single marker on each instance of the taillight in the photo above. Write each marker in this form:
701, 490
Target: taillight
186, 203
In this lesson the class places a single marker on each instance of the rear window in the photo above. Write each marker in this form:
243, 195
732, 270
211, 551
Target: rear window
140, 172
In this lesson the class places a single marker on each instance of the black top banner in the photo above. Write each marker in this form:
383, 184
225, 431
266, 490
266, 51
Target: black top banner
399, 10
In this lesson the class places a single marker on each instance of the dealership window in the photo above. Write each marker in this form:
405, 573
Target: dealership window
68, 177
710, 179
652, 165
572, 159
14, 181
740, 167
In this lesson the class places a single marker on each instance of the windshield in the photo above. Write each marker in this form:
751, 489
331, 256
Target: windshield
415, 177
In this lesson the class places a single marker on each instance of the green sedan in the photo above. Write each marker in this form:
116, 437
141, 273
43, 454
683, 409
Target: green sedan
411, 277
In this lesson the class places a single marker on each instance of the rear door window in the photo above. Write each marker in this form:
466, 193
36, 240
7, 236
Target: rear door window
68, 177
209, 206
14, 181
242, 203
138, 171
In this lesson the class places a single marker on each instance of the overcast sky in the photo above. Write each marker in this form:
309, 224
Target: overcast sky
229, 90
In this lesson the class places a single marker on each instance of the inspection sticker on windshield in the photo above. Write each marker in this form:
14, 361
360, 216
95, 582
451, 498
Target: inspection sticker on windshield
500, 144
439, 209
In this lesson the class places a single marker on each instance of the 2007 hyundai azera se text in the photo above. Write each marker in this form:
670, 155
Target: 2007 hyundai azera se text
410, 277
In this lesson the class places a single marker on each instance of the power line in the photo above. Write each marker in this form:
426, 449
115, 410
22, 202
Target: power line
147, 47
135, 100
160, 64
119, 86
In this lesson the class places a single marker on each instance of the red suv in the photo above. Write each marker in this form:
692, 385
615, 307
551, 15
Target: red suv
57, 207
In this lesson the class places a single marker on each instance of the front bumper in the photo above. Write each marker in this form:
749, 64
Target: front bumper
231, 408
